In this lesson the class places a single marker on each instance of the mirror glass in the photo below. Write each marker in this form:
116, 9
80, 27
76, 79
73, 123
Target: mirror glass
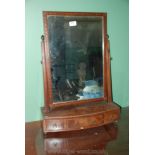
76, 52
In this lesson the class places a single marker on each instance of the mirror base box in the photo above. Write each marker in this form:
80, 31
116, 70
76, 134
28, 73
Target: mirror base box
80, 117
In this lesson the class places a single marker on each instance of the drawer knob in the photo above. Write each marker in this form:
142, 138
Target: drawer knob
54, 125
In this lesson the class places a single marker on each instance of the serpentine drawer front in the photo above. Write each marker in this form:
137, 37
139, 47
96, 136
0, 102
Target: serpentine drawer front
83, 120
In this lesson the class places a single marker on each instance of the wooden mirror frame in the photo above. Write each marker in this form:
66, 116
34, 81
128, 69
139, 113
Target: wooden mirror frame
77, 115
46, 60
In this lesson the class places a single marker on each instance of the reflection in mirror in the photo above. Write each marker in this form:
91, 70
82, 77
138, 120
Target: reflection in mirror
76, 46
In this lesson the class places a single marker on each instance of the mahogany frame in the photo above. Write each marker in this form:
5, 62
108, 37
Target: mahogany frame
49, 104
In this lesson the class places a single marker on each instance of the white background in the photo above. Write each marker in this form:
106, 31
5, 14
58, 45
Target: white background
142, 77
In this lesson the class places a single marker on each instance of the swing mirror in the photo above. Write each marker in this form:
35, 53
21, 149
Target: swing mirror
74, 45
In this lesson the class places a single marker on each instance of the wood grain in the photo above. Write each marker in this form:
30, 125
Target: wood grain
111, 139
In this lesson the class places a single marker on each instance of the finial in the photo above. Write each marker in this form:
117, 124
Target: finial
107, 36
42, 37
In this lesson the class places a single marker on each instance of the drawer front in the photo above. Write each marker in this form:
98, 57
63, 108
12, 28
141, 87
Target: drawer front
80, 122
111, 116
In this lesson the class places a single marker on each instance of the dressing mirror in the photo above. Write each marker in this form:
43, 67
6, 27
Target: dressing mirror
76, 71
75, 45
